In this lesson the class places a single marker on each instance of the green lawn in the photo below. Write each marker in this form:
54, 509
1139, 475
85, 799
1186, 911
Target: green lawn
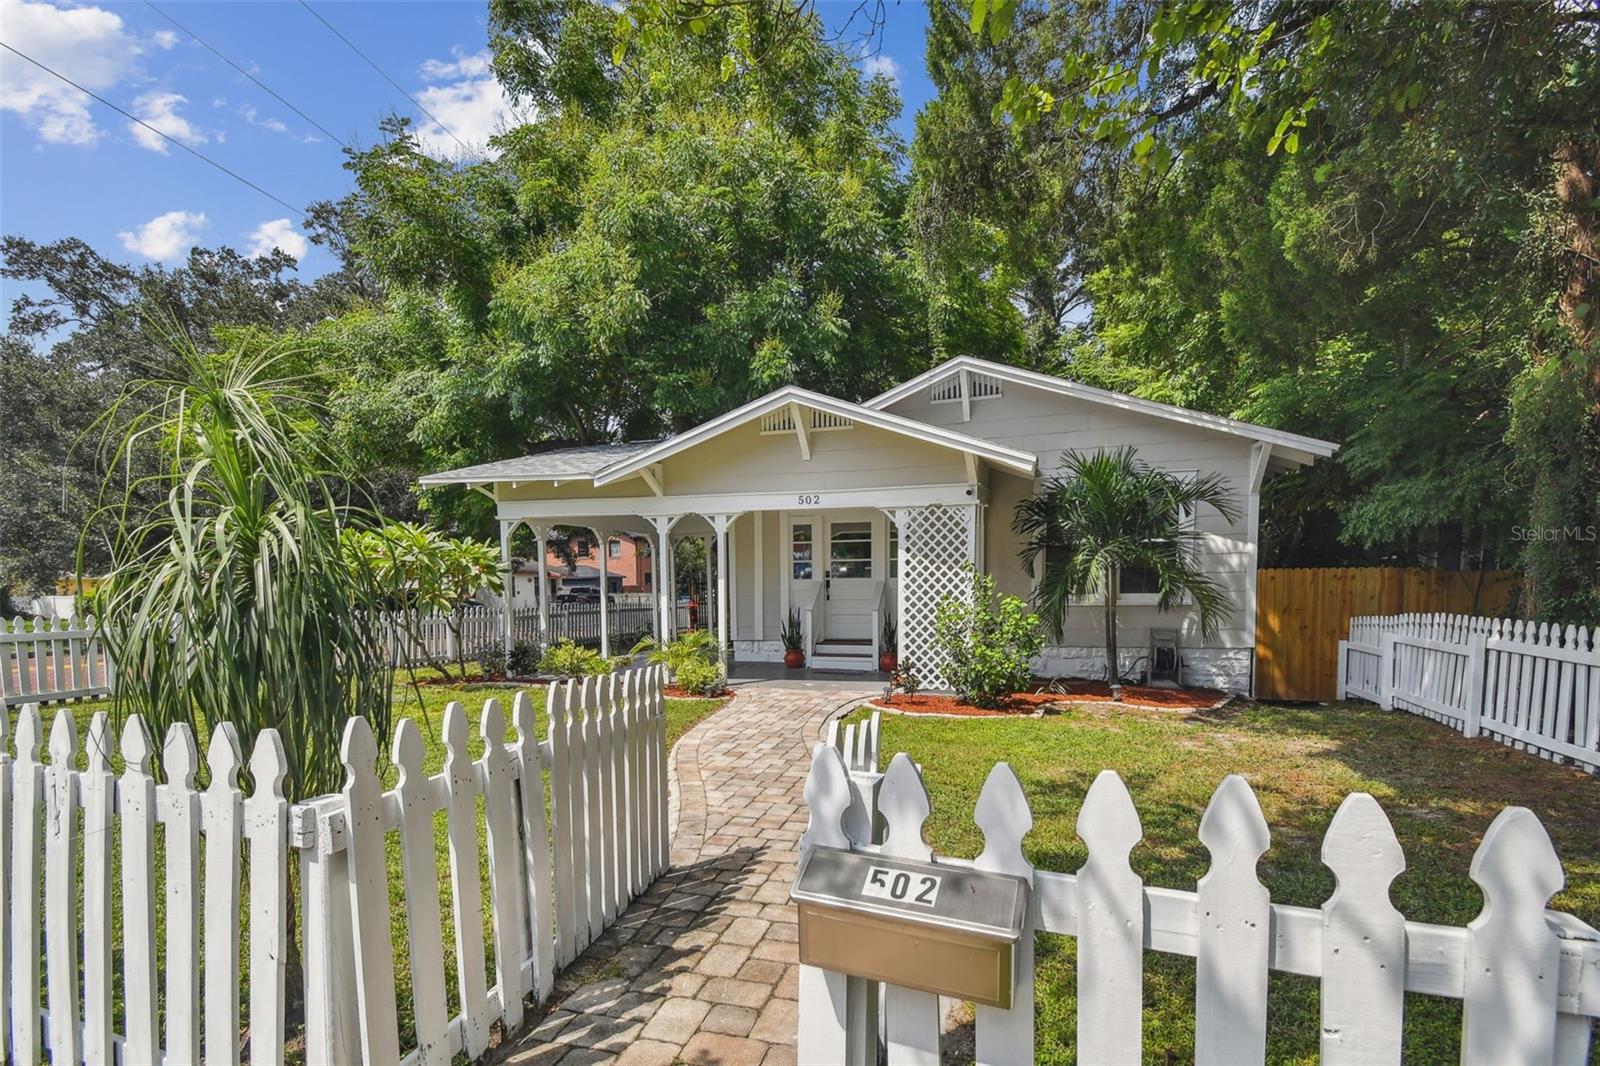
429, 712
1439, 790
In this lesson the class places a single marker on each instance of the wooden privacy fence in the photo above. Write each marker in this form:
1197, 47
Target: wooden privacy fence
558, 873
1528, 978
1302, 614
51, 659
1531, 685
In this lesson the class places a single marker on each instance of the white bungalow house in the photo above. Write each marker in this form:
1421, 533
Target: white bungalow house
851, 512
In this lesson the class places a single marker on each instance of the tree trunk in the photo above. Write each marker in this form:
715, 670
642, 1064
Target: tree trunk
1113, 670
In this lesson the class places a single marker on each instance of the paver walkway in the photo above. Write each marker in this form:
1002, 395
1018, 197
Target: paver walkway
702, 967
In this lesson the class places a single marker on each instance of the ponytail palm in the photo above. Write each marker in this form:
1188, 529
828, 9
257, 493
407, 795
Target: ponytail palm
1107, 512
229, 598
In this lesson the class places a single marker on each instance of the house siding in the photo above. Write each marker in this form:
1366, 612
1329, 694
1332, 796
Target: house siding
1049, 425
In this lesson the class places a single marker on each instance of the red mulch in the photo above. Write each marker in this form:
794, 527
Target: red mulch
1143, 695
939, 703
1075, 691
477, 679
673, 692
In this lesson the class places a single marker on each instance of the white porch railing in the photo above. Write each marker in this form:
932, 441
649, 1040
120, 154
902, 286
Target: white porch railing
1534, 687
559, 872
1528, 978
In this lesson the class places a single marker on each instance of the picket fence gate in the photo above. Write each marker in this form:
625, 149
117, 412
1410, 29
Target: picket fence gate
1533, 686
51, 659
558, 875
1529, 978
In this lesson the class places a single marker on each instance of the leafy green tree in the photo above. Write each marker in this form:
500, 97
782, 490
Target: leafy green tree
1107, 512
229, 598
666, 238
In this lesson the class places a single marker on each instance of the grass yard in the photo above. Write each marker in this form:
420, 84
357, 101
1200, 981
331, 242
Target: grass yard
681, 716
1439, 790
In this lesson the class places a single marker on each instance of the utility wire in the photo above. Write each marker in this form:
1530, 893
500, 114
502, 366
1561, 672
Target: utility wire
246, 73
385, 75
134, 118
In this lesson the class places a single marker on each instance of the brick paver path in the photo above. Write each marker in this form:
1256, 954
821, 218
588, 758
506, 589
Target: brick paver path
702, 967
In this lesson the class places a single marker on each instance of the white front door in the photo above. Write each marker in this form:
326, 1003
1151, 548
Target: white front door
850, 575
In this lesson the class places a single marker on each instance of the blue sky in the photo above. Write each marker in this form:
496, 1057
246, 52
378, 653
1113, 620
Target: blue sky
72, 167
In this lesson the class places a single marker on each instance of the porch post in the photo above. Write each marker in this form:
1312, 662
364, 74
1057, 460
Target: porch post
605, 593
543, 601
666, 585
720, 523
709, 542
509, 628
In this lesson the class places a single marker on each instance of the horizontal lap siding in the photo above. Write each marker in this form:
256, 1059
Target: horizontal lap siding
746, 460
1049, 426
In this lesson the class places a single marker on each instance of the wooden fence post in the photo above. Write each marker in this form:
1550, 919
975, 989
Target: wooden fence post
1235, 932
1341, 669
1386, 671
1472, 695
824, 1028
332, 1029
1006, 1036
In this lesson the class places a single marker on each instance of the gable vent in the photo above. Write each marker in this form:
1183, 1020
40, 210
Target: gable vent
948, 390
817, 421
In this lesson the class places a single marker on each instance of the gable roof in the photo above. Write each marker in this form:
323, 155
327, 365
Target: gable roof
999, 454
559, 464
1299, 449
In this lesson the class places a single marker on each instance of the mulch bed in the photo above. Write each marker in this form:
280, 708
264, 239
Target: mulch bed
1033, 703
673, 692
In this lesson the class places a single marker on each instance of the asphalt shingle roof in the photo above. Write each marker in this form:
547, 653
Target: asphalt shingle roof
582, 461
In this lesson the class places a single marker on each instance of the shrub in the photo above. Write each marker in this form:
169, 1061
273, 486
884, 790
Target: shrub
524, 659
697, 646
568, 659
491, 656
700, 678
904, 677
988, 644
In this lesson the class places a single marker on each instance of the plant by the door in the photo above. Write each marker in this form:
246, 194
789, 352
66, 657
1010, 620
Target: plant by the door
888, 645
794, 640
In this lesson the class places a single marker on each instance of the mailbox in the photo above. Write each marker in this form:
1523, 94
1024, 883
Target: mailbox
944, 929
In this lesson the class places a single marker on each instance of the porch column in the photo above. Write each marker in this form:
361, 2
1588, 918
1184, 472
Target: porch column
720, 523
709, 543
509, 628
541, 546
666, 600
605, 592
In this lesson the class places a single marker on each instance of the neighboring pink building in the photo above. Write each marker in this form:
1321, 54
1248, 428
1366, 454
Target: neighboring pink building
627, 569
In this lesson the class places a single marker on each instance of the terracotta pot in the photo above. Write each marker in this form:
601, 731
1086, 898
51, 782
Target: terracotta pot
887, 661
794, 658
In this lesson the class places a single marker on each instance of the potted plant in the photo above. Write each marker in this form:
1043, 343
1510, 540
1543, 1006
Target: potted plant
889, 645
794, 640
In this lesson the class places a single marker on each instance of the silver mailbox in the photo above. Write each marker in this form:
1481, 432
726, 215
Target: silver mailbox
937, 928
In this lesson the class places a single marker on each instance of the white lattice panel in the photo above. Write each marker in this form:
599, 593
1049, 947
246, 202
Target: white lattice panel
935, 544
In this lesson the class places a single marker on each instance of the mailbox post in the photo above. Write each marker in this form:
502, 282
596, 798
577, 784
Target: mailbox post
945, 929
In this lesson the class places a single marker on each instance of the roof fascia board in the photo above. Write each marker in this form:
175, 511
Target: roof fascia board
1298, 442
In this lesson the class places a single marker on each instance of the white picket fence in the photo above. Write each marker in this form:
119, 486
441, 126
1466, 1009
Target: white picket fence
1529, 978
1533, 686
557, 876
51, 659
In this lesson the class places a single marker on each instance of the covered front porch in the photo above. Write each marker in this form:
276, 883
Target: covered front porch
846, 524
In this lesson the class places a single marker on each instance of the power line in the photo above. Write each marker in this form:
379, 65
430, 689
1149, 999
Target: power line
246, 73
134, 118
385, 75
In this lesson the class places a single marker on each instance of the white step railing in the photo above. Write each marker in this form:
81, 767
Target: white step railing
1528, 978
559, 872
1533, 686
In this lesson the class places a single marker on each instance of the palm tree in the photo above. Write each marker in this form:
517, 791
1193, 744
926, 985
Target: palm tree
1108, 512
229, 598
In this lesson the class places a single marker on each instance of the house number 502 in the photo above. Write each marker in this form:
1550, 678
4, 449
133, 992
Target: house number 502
809, 499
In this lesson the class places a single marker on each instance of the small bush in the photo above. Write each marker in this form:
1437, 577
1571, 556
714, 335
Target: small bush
524, 659
988, 644
695, 646
491, 656
904, 677
568, 659
700, 678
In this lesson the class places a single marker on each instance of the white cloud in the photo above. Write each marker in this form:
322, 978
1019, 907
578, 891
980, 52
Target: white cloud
881, 66
87, 44
166, 40
160, 110
166, 237
467, 100
277, 233
249, 113
464, 66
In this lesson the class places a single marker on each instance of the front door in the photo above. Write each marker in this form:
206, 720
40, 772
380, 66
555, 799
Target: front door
850, 578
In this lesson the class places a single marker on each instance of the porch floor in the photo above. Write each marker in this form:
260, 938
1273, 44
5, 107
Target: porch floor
743, 674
